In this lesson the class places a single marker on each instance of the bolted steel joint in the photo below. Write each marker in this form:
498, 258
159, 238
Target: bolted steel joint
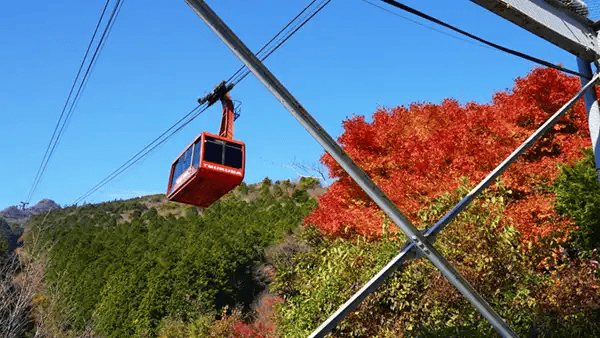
417, 248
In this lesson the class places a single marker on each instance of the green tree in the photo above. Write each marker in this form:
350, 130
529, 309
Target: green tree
265, 188
266, 181
243, 188
578, 196
3, 244
308, 182
300, 196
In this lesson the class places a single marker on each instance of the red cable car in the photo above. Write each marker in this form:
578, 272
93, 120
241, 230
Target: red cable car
210, 166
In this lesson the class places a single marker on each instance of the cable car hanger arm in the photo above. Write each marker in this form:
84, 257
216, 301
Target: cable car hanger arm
221, 93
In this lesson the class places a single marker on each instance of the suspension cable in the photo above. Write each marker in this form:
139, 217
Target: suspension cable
282, 40
79, 82
474, 37
145, 151
266, 45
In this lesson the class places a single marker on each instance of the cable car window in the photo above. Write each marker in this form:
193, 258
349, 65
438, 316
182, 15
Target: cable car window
176, 172
182, 164
187, 158
233, 155
213, 150
196, 158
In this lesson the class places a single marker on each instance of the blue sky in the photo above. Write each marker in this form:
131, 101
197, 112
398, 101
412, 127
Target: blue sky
160, 57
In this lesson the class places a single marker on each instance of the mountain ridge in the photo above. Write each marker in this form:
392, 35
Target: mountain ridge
13, 220
43, 205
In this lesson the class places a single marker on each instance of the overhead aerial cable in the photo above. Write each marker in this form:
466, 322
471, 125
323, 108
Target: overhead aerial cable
145, 151
474, 37
294, 25
73, 96
281, 37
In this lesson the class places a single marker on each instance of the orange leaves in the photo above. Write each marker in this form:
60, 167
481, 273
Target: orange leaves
352, 214
534, 216
418, 152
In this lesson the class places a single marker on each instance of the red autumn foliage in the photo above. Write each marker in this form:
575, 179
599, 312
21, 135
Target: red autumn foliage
534, 215
417, 153
263, 325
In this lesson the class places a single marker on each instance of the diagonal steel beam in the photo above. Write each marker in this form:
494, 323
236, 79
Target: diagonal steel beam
408, 251
353, 170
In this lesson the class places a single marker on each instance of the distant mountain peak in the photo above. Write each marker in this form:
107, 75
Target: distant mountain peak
44, 205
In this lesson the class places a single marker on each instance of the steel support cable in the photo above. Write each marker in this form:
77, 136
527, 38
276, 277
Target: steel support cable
83, 83
281, 41
424, 25
488, 43
236, 77
72, 100
408, 251
100, 46
268, 50
273, 38
58, 123
145, 151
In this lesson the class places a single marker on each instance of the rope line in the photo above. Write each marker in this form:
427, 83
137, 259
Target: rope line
79, 82
474, 37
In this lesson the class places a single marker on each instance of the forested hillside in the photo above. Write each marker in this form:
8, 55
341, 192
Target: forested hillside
269, 260
128, 268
